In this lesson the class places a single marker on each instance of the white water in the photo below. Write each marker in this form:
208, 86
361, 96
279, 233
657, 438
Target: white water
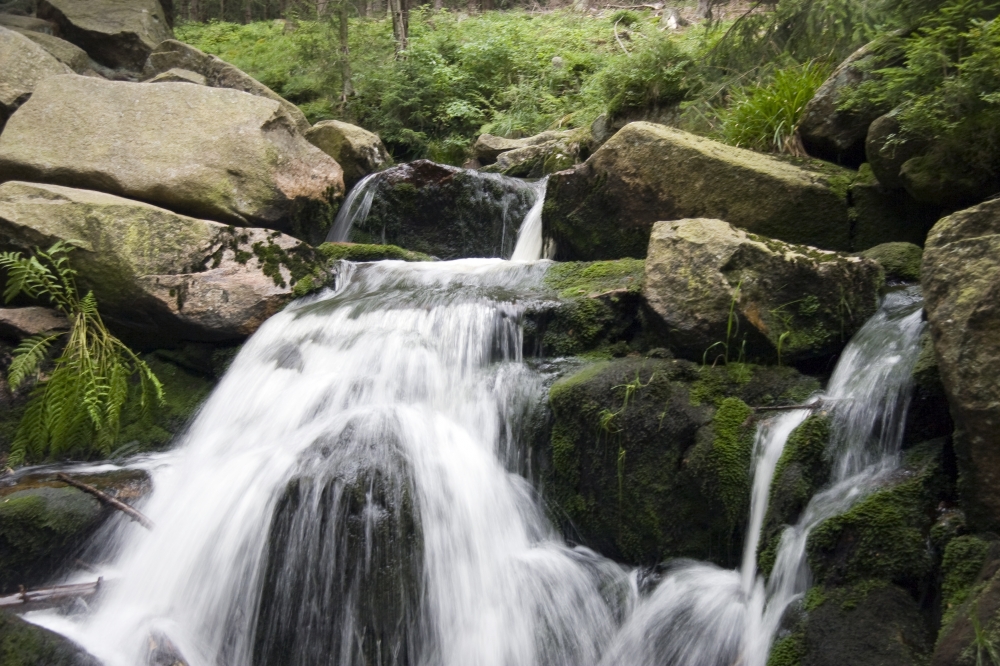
354, 210
529, 236
350, 494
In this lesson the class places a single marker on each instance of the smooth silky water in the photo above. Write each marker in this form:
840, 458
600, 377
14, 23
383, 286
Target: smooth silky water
355, 492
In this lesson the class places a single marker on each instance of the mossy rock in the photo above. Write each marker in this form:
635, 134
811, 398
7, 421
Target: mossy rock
650, 458
367, 252
901, 261
26, 644
884, 536
929, 416
970, 602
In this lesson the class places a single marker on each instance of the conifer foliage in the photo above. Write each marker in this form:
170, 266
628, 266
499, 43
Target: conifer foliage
75, 409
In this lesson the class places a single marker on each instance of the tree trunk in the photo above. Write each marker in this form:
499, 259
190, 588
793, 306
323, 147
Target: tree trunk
346, 89
704, 10
400, 23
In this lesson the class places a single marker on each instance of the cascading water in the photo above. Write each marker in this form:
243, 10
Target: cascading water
353, 492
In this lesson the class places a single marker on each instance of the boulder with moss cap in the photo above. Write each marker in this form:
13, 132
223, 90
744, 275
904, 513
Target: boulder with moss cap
358, 151
901, 261
213, 153
722, 291
605, 208
158, 276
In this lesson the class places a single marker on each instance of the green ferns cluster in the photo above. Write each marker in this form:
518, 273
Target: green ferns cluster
76, 409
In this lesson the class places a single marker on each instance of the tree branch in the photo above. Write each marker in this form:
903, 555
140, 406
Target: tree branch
134, 514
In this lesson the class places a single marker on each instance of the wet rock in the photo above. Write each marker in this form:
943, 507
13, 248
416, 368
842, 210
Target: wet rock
444, 211
158, 276
17, 323
961, 285
831, 133
218, 73
649, 458
358, 151
69, 54
606, 207
207, 152
723, 292
178, 75
26, 644
23, 65
970, 596
115, 33
901, 261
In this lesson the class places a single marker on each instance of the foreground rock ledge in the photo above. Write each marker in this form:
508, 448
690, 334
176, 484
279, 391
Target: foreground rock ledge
961, 282
157, 275
605, 208
213, 153
723, 292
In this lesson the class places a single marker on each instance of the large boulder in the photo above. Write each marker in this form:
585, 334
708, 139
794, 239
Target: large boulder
218, 73
28, 23
960, 276
831, 133
68, 54
444, 211
724, 292
18, 323
605, 208
887, 149
26, 644
115, 33
159, 276
207, 152
358, 151
901, 261
534, 156
23, 64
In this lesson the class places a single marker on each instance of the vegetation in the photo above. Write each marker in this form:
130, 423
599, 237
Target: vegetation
76, 408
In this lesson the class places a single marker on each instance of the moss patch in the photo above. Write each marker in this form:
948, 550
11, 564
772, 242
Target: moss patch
574, 278
366, 252
901, 261
25, 644
732, 451
963, 559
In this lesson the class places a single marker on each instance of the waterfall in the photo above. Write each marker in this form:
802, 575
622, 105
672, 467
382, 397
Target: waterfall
701, 615
355, 492
529, 236
354, 209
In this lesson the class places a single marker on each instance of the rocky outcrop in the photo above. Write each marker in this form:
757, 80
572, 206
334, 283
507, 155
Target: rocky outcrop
23, 64
605, 208
158, 276
115, 33
960, 276
68, 54
357, 151
532, 157
488, 148
26, 644
901, 261
17, 323
444, 211
831, 133
206, 152
218, 73
724, 292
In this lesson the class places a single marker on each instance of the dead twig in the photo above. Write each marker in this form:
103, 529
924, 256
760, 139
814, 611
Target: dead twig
47, 595
107, 499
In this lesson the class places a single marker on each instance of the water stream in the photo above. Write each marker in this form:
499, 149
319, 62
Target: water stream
354, 492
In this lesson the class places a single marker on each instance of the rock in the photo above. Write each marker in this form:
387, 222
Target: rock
605, 208
936, 180
444, 211
361, 252
661, 469
487, 147
960, 277
159, 276
882, 215
218, 73
206, 152
29, 23
178, 75
26, 644
115, 33
17, 323
833, 134
970, 588
721, 291
929, 416
887, 149
532, 157
358, 151
901, 261
44, 523
23, 65
68, 54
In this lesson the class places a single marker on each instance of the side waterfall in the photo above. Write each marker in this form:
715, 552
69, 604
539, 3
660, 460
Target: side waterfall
354, 492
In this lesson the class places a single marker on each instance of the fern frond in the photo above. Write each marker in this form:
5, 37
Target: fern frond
28, 356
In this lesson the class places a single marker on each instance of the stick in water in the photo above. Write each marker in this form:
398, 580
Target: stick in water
107, 499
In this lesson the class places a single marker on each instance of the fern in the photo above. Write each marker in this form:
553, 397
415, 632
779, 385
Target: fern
77, 409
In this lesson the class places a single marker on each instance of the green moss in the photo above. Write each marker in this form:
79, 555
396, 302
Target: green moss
900, 260
814, 598
367, 252
732, 450
788, 651
574, 279
26, 644
963, 560
806, 446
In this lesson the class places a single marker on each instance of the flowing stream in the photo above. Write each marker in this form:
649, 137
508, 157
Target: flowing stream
355, 492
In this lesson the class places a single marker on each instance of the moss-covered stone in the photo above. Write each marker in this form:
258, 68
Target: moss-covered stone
363, 252
901, 261
963, 560
641, 470
25, 644
970, 587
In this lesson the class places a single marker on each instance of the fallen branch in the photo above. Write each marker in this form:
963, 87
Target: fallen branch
107, 499
782, 408
618, 39
50, 594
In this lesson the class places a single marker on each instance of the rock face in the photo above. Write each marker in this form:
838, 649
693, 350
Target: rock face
69, 54
218, 73
26, 644
207, 152
115, 33
17, 323
722, 291
158, 275
357, 151
23, 64
532, 157
961, 284
605, 208
830, 133
444, 211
